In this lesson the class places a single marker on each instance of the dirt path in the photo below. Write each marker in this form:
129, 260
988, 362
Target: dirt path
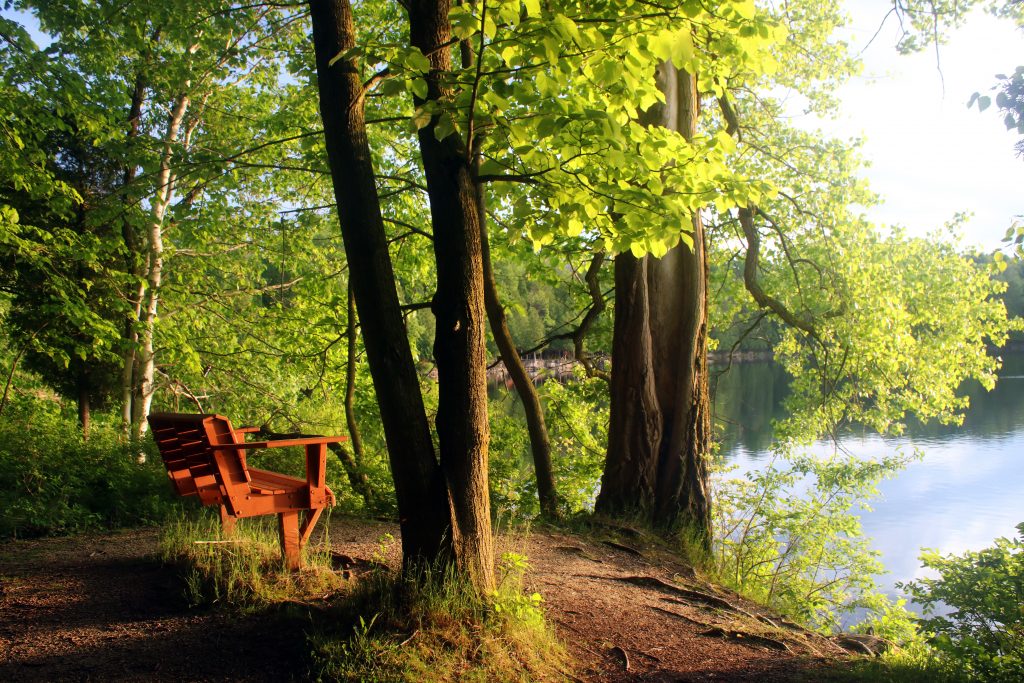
103, 608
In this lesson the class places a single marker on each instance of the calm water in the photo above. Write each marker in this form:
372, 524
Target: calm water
968, 489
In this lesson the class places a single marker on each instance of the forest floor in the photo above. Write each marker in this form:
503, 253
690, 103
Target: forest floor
103, 607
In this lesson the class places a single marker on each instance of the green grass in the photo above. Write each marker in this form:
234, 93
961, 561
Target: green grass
899, 666
438, 629
245, 571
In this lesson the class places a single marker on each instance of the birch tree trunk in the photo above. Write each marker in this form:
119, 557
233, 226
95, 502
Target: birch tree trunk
155, 247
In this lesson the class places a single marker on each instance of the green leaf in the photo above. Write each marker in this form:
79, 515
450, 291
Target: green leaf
463, 23
532, 7
344, 54
392, 86
984, 102
419, 87
445, 126
421, 118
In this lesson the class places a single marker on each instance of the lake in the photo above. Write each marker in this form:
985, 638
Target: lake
968, 489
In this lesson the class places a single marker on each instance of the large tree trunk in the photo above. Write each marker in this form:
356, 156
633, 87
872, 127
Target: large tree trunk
425, 514
458, 306
634, 430
659, 445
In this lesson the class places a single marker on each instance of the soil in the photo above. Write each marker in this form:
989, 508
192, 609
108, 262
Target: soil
104, 608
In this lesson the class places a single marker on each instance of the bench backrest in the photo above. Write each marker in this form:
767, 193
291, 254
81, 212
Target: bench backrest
196, 467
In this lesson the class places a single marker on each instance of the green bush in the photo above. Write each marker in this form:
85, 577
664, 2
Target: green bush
52, 481
788, 535
983, 631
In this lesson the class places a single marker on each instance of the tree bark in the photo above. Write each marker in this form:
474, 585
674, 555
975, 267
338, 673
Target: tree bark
84, 412
155, 260
458, 306
135, 265
540, 444
634, 429
425, 514
667, 436
353, 463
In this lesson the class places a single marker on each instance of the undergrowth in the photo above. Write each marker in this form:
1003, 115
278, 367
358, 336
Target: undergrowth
437, 628
245, 571
53, 481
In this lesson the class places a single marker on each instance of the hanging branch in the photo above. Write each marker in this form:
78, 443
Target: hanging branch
596, 308
14, 367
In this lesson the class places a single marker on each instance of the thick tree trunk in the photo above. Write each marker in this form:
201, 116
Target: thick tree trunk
666, 437
634, 430
458, 306
155, 261
424, 511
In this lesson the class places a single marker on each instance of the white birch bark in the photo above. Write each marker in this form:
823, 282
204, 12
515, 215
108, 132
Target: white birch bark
161, 201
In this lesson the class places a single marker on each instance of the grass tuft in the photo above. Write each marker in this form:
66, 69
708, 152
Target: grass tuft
245, 571
437, 628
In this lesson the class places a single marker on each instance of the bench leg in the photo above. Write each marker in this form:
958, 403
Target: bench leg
307, 526
288, 528
227, 523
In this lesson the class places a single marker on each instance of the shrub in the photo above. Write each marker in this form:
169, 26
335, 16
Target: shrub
983, 631
52, 481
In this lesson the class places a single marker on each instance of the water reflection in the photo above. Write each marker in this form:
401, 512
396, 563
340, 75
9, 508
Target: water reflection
968, 489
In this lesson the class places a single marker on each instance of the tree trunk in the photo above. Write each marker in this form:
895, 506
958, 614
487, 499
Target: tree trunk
84, 413
356, 477
425, 514
135, 266
161, 201
458, 305
540, 444
634, 429
664, 437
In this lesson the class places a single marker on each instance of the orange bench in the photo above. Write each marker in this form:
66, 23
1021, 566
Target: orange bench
205, 457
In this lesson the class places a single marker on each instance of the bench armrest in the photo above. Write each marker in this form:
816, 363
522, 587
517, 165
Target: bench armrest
282, 443
247, 430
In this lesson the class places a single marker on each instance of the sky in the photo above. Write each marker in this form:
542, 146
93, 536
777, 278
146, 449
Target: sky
930, 155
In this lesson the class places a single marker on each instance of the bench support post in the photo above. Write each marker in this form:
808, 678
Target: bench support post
227, 523
288, 529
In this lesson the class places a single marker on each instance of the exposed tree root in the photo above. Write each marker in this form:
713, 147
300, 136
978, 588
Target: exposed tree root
623, 548
745, 638
683, 617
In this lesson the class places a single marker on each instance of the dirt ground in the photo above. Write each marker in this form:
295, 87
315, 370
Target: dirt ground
103, 608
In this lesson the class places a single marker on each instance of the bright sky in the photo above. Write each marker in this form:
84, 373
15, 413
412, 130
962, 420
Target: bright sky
930, 156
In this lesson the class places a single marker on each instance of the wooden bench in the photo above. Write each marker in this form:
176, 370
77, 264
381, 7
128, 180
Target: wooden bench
205, 457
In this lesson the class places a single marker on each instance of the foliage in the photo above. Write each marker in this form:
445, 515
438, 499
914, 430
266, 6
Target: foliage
1009, 100
788, 535
577, 417
976, 606
53, 482
391, 629
245, 571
